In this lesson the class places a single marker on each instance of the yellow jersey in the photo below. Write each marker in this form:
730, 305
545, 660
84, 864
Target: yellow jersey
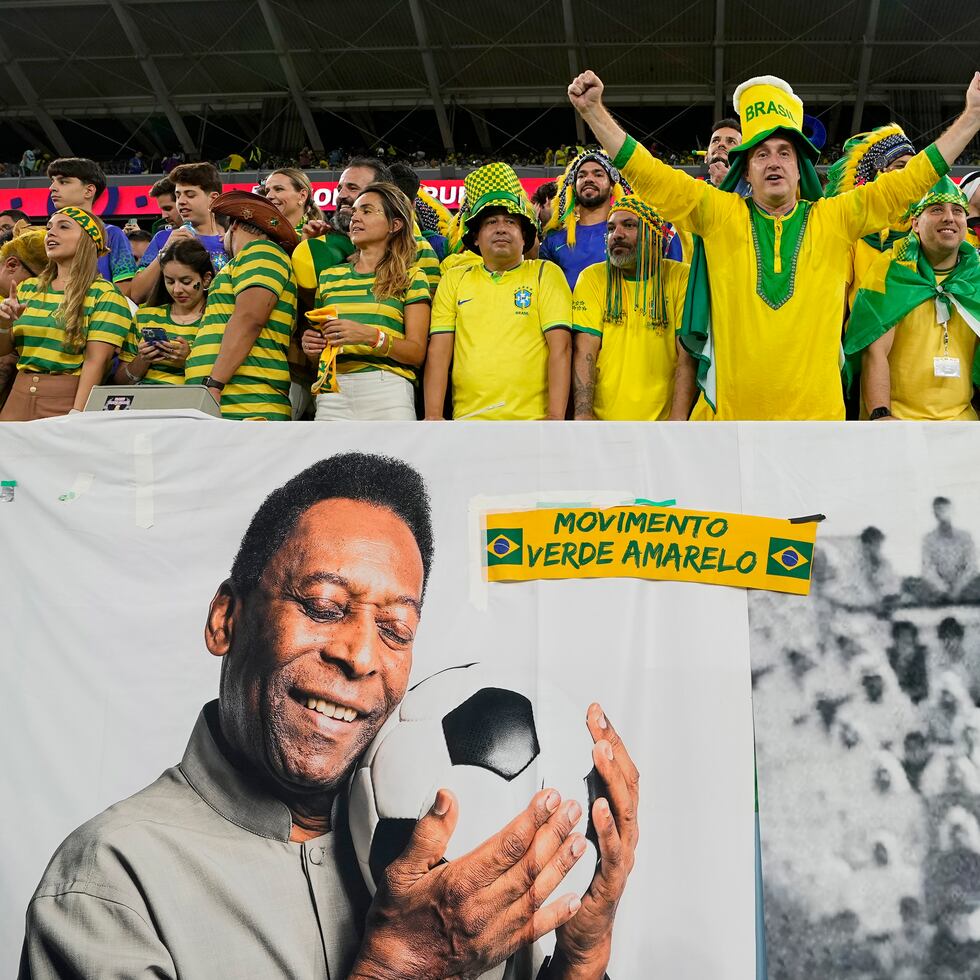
635, 366
499, 320
916, 391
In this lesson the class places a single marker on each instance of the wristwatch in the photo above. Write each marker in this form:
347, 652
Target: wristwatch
210, 382
882, 411
545, 972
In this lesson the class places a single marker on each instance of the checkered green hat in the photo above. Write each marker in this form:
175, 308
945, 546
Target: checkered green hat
943, 192
493, 186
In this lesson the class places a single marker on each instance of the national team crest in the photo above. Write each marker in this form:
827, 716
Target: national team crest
522, 298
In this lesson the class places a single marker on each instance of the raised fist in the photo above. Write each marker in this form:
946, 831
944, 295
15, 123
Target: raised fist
585, 92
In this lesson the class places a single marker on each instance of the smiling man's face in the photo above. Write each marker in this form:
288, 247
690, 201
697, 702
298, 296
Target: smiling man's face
320, 651
592, 185
941, 229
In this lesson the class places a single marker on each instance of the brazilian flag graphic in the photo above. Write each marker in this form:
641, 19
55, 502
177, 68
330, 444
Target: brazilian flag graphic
790, 559
505, 546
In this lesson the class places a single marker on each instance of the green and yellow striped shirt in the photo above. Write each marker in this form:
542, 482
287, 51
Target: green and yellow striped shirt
160, 372
260, 387
39, 337
427, 260
352, 295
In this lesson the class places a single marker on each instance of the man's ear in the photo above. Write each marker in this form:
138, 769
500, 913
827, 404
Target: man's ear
222, 617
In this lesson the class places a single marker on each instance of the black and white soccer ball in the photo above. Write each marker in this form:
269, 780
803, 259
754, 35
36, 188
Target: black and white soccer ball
492, 737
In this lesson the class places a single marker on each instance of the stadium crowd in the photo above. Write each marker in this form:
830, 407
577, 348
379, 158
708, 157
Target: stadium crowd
627, 290
870, 715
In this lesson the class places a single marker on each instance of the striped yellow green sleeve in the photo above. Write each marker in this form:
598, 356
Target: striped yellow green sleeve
937, 160
882, 203
303, 266
427, 261
624, 153
110, 317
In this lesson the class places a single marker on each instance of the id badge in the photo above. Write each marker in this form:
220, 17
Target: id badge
946, 367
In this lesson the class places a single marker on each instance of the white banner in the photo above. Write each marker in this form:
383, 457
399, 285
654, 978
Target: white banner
120, 529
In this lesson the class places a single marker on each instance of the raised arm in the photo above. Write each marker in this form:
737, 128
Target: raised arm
956, 139
883, 202
585, 94
693, 205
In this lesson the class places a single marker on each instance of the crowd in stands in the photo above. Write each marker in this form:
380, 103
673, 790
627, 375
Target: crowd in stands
869, 715
33, 162
625, 290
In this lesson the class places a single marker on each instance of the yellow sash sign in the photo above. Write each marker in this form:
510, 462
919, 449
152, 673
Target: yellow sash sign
646, 542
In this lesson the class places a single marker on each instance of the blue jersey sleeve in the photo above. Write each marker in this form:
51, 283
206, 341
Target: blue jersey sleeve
547, 249
153, 249
122, 265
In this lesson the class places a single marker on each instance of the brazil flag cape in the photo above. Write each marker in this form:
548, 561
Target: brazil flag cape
901, 279
695, 332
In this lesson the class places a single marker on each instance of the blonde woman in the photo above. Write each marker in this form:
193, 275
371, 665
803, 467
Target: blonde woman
290, 190
66, 325
381, 301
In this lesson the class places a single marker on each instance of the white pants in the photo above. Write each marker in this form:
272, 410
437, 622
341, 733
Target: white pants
368, 396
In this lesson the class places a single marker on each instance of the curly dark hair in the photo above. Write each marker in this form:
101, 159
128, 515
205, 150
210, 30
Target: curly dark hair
370, 478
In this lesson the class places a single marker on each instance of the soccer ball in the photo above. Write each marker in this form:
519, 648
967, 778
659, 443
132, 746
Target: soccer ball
492, 737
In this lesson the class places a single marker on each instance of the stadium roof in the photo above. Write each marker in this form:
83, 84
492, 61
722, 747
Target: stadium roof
84, 59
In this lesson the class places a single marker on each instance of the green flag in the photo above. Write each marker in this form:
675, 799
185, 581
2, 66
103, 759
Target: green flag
901, 279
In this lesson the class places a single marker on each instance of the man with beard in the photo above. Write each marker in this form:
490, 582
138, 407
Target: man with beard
238, 862
627, 311
575, 235
325, 243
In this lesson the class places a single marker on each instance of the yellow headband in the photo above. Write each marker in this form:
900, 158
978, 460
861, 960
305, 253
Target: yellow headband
88, 224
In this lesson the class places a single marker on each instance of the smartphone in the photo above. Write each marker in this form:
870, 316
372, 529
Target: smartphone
155, 335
